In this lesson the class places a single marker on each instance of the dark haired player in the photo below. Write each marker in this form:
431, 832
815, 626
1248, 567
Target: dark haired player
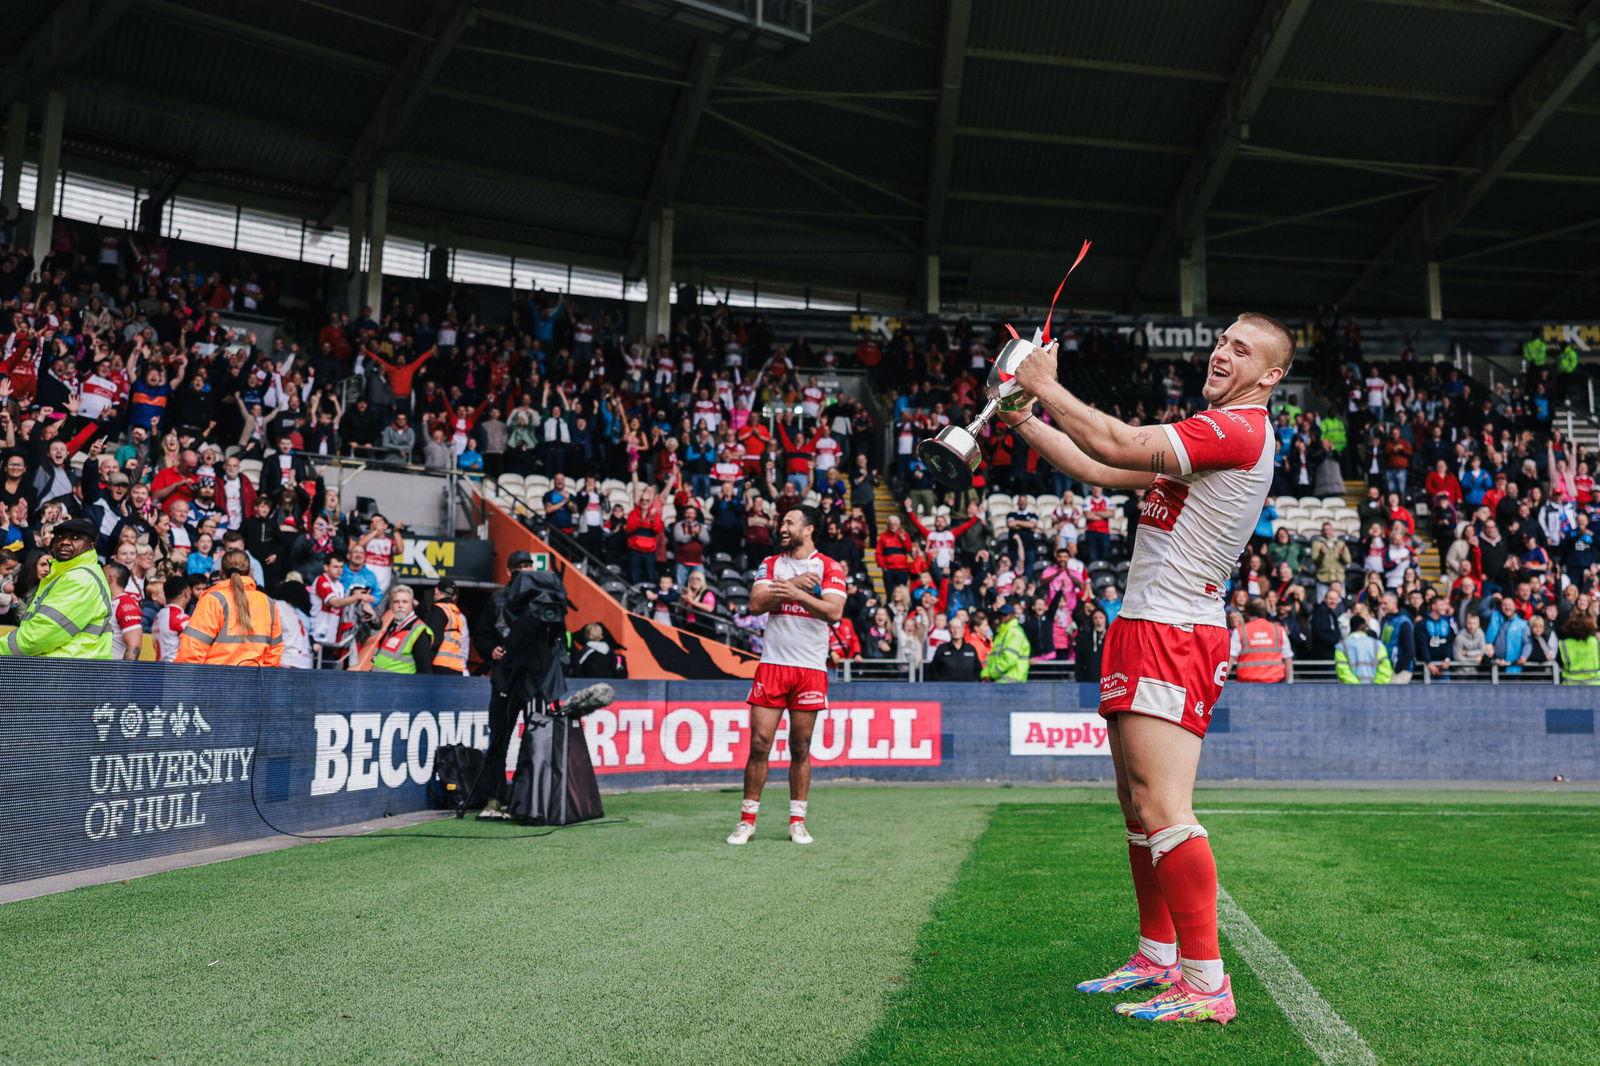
1166, 655
803, 592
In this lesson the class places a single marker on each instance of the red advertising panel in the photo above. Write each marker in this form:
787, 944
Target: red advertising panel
643, 735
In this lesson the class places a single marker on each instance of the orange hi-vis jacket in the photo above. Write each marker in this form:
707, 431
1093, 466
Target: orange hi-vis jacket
216, 636
1261, 652
451, 653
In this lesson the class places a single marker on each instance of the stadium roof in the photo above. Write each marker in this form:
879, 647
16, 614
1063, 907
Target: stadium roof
1324, 149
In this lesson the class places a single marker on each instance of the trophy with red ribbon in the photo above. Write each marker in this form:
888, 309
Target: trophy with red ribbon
952, 455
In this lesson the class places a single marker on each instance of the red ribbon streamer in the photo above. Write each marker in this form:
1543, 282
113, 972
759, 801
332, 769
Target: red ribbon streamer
1081, 253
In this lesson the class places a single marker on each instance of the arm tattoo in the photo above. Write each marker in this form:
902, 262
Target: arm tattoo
1142, 438
1158, 462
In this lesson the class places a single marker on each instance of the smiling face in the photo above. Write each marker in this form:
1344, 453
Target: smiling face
1250, 357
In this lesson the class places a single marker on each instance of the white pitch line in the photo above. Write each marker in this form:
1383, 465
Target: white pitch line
1392, 814
1329, 1036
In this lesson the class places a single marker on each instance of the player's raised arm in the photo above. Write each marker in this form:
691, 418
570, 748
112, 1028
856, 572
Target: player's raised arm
1059, 450
1102, 439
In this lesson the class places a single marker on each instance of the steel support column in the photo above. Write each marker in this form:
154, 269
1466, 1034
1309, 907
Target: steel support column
658, 276
44, 197
355, 277
1435, 293
377, 229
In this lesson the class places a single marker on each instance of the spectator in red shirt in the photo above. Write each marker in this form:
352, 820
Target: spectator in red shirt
1398, 512
1440, 482
1396, 461
843, 644
177, 482
894, 555
1097, 526
645, 532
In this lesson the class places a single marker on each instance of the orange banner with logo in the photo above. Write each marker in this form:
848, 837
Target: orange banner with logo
654, 652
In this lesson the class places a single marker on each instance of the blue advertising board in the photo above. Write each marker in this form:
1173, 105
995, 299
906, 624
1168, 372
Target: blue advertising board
111, 762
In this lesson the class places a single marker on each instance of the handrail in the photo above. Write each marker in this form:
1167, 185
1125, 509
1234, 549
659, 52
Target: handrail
1304, 672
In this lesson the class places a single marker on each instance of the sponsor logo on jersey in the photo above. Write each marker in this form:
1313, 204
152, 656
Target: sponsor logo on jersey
1163, 503
1112, 686
1208, 420
1236, 417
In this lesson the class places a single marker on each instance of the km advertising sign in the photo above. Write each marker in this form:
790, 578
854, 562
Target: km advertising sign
434, 558
644, 735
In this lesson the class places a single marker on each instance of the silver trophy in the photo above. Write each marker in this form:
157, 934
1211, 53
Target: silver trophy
952, 455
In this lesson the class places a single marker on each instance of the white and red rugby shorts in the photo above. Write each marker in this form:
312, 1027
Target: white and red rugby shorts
1164, 671
790, 688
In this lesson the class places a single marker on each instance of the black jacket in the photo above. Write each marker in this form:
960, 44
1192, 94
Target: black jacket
1325, 635
1090, 647
955, 662
587, 661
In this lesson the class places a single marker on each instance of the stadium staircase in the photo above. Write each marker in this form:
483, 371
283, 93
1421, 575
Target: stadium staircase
886, 505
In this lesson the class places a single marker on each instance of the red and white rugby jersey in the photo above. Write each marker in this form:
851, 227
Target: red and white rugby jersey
325, 619
1194, 525
942, 546
827, 453
380, 553
709, 412
167, 630
793, 637
812, 396
124, 615
98, 394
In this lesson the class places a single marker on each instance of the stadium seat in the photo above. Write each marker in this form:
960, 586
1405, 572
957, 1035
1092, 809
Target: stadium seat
1333, 501
611, 484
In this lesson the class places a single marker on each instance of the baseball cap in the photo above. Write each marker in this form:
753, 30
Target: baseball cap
446, 586
519, 558
117, 478
1005, 608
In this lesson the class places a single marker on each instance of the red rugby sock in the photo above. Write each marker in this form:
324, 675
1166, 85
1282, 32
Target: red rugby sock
1155, 921
1188, 878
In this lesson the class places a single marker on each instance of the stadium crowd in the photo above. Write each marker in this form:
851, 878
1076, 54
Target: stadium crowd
127, 403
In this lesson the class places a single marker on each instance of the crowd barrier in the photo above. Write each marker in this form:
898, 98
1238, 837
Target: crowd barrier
112, 762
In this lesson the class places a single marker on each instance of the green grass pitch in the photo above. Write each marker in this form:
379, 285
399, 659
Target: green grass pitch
926, 926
